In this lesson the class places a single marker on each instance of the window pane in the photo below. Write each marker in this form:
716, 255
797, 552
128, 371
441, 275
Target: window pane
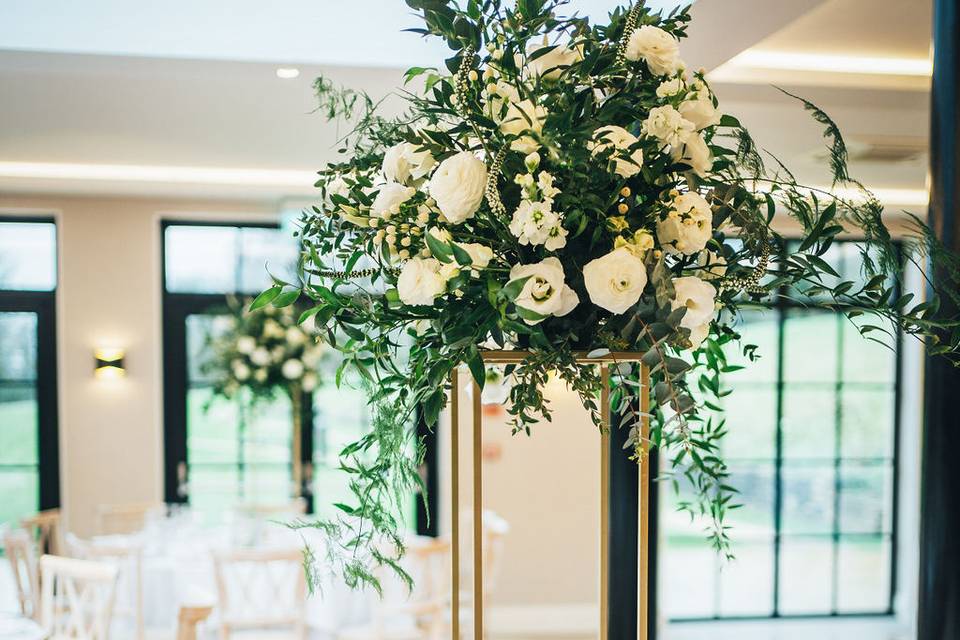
263, 249
809, 422
201, 259
18, 424
868, 423
755, 518
866, 496
690, 575
806, 575
746, 584
28, 256
810, 346
18, 346
268, 432
202, 329
866, 361
762, 328
863, 576
212, 428
20, 491
267, 484
808, 499
751, 415
214, 491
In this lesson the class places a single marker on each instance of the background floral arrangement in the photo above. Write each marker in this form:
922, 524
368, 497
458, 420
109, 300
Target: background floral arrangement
265, 351
564, 187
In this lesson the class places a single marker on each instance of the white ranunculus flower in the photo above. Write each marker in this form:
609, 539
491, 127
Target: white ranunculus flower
292, 369
420, 282
616, 280
545, 291
480, 255
246, 344
667, 125
551, 65
402, 162
698, 296
522, 117
619, 139
391, 195
699, 334
657, 48
296, 336
687, 226
670, 88
457, 185
700, 110
260, 357
310, 381
695, 153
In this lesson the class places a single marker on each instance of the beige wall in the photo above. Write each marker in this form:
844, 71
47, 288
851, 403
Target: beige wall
111, 433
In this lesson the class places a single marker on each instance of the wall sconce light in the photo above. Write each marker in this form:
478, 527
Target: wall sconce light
108, 363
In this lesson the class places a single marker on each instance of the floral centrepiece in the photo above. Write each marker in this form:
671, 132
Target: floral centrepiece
562, 187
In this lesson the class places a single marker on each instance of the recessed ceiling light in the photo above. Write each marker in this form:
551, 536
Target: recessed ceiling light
287, 73
797, 61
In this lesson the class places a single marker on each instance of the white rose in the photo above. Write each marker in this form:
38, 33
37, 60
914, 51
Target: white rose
667, 125
670, 88
545, 291
402, 162
480, 255
698, 297
550, 66
420, 282
619, 139
695, 153
310, 381
390, 196
616, 280
657, 48
246, 344
292, 369
700, 110
296, 336
699, 334
260, 357
457, 185
687, 226
521, 117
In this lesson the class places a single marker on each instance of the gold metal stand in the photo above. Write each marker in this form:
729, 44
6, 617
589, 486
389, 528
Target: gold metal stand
643, 570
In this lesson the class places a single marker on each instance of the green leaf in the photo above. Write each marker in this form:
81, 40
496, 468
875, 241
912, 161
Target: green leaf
462, 257
513, 288
440, 250
531, 316
477, 369
286, 298
265, 298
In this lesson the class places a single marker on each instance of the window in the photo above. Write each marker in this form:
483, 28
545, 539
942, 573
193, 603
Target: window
29, 474
812, 449
222, 452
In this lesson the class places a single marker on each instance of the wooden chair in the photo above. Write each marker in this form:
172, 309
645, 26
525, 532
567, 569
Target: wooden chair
77, 598
129, 562
261, 589
19, 548
126, 518
421, 615
188, 619
46, 529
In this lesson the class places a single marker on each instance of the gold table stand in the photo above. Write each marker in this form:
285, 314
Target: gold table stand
643, 570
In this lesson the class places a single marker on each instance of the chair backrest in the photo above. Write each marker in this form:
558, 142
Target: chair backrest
45, 527
128, 559
261, 588
77, 597
19, 547
126, 518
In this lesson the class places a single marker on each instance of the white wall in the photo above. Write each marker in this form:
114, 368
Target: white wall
108, 294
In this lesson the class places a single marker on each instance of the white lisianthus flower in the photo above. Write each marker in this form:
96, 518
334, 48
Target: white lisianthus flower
240, 371
695, 153
667, 125
310, 381
545, 292
390, 196
246, 344
480, 255
260, 357
402, 163
700, 110
618, 139
699, 298
712, 266
551, 65
522, 117
687, 226
457, 185
420, 282
670, 88
296, 336
657, 48
615, 281
292, 369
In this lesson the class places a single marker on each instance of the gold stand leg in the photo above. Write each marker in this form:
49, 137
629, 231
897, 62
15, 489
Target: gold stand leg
477, 514
604, 500
296, 407
643, 573
455, 504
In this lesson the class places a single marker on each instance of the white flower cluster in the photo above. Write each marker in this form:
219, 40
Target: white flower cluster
282, 349
534, 221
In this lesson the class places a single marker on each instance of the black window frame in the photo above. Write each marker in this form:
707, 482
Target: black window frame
44, 305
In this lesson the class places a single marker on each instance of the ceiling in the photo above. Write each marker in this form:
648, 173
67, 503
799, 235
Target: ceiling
102, 99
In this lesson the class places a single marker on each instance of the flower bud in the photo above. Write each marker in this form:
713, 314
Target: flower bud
623, 208
532, 161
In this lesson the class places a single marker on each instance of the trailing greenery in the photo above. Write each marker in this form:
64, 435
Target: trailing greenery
561, 187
